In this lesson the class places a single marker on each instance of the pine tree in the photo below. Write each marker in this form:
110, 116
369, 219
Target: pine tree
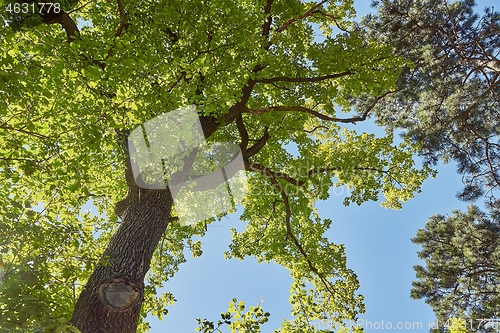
448, 99
461, 276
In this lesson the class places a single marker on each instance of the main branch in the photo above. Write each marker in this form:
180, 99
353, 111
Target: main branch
289, 232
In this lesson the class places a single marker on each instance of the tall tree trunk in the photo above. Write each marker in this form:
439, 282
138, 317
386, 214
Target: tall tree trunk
112, 299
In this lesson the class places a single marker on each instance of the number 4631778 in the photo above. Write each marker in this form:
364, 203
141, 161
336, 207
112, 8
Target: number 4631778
34, 8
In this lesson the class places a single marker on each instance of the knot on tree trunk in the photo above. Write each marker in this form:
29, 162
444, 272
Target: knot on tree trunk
119, 293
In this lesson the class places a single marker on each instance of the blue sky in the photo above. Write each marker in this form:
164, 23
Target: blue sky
378, 247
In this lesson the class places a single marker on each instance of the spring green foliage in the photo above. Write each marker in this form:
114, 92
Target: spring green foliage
237, 319
62, 103
458, 325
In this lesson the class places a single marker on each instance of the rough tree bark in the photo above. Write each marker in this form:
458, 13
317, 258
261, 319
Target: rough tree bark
112, 298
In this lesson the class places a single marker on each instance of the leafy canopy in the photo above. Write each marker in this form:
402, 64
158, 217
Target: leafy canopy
257, 70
